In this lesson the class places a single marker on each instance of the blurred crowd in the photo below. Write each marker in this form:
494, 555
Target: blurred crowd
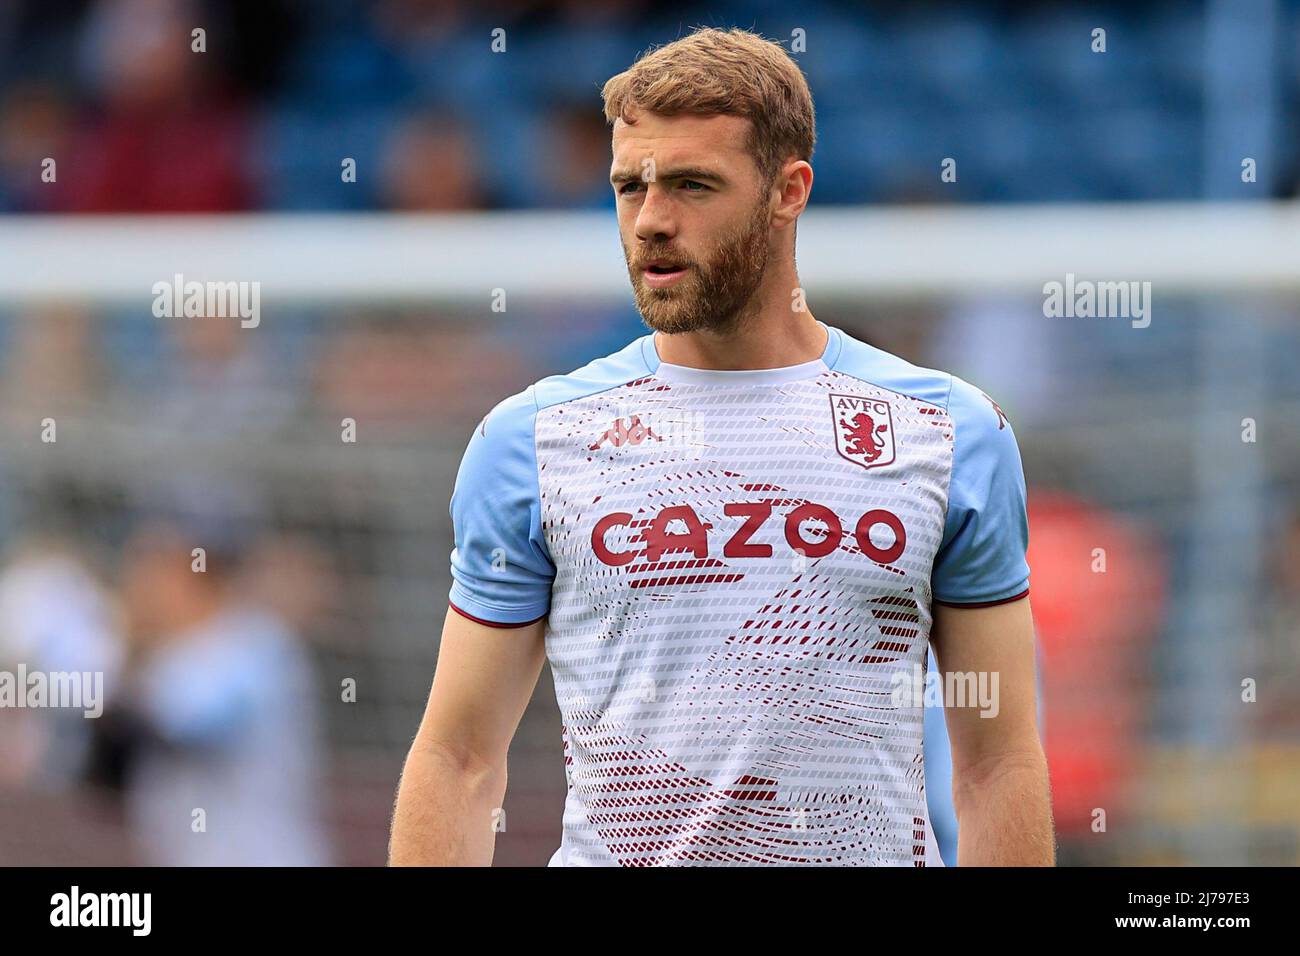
207, 746
166, 436
200, 431
453, 105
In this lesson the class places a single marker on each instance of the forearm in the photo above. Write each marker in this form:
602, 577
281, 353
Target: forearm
446, 809
1004, 813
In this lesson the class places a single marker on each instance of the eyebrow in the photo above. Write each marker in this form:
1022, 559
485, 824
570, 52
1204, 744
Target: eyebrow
676, 172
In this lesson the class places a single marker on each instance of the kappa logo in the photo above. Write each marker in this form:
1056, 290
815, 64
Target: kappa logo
620, 434
864, 430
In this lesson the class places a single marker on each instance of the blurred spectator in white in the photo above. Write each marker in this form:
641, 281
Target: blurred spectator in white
55, 617
223, 711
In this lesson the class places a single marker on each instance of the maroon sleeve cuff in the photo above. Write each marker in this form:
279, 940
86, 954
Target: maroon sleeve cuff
1017, 597
479, 620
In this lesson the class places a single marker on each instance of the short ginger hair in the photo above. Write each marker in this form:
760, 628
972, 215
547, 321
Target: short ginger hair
724, 72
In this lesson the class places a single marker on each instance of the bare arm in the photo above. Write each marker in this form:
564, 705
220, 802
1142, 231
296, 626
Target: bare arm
454, 780
1000, 783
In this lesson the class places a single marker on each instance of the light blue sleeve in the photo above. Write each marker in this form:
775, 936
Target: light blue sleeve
982, 558
501, 568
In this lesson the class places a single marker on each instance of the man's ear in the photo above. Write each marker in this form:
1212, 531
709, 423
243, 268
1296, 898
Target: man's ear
793, 187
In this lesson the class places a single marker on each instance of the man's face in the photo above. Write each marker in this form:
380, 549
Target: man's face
693, 216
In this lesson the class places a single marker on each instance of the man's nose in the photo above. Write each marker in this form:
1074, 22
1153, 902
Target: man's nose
655, 219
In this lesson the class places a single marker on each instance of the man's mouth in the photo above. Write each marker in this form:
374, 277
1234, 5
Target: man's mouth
661, 273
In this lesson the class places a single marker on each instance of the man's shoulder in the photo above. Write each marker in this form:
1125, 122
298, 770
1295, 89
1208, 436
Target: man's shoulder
875, 366
629, 364
516, 415
964, 403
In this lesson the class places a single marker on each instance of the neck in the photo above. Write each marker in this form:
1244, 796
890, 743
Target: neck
771, 336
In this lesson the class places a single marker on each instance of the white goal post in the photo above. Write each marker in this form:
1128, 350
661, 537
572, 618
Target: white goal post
843, 251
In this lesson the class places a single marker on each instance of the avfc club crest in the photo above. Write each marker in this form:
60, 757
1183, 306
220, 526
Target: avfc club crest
864, 430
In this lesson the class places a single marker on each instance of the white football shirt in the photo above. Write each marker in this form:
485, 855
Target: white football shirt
736, 569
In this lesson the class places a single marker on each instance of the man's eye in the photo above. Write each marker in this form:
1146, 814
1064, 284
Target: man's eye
628, 187
691, 182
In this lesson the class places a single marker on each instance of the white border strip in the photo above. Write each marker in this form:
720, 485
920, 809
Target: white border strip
860, 251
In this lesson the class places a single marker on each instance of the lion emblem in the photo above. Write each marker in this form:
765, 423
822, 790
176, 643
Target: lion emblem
864, 437
864, 430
